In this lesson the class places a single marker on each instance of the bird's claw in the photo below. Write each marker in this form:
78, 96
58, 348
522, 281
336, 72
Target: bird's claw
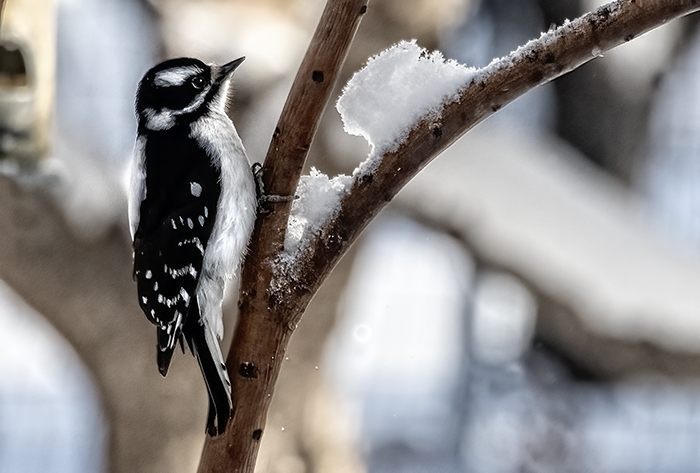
263, 197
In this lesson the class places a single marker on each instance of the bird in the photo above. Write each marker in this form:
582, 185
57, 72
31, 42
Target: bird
192, 207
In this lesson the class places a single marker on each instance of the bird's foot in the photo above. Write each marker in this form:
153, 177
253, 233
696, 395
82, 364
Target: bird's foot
263, 197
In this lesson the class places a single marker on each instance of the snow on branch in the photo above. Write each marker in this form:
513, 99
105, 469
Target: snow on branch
408, 128
318, 199
397, 88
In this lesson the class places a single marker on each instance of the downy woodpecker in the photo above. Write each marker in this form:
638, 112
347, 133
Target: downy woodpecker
192, 206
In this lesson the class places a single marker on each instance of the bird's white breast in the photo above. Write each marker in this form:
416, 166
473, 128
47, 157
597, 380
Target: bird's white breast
236, 211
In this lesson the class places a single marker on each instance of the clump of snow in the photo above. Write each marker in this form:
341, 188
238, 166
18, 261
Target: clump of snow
318, 198
546, 39
397, 88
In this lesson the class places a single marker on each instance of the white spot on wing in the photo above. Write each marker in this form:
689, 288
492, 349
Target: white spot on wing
195, 241
144, 299
190, 223
174, 300
185, 296
176, 273
201, 220
149, 274
155, 286
195, 189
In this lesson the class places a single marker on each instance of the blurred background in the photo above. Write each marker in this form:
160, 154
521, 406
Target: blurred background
529, 303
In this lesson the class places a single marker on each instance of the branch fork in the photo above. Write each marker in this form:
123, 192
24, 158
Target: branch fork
268, 317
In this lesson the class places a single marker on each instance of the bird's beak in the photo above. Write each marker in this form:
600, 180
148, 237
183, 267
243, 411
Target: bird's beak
225, 71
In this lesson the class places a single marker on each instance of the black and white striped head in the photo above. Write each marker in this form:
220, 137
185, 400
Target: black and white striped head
181, 90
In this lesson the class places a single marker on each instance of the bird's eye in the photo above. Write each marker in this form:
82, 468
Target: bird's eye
198, 82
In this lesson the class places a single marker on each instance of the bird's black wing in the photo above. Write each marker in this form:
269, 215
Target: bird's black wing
176, 219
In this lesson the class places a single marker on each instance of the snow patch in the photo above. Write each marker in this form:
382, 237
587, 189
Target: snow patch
318, 199
395, 89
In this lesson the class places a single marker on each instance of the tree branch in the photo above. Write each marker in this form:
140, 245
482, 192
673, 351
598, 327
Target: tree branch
553, 54
270, 315
264, 326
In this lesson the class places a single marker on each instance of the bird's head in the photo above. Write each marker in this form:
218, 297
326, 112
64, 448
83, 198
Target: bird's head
181, 90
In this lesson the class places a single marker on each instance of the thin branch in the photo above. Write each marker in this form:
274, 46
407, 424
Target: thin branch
264, 327
540, 61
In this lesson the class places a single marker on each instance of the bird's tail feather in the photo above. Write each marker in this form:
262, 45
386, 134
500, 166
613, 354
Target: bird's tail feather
165, 351
205, 347
167, 340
